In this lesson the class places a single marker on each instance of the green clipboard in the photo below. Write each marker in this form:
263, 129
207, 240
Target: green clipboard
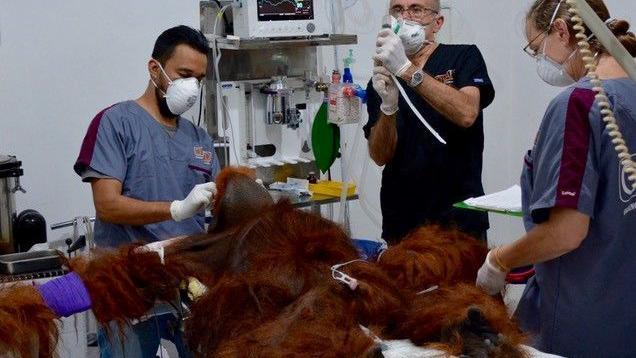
463, 205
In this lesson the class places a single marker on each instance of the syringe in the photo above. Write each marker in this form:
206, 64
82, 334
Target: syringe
387, 23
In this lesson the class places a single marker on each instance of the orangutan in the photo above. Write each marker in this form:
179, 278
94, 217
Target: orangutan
280, 282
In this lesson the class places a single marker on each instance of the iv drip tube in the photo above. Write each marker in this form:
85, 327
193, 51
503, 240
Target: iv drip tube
348, 176
416, 112
346, 170
216, 60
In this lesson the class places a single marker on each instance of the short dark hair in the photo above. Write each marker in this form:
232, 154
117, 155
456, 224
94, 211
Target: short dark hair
175, 36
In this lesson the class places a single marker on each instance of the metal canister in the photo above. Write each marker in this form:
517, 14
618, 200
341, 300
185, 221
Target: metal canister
10, 172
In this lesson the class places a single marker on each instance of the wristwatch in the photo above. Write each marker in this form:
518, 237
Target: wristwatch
416, 78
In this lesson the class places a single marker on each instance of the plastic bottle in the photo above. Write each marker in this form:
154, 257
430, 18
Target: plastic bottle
348, 61
334, 89
348, 106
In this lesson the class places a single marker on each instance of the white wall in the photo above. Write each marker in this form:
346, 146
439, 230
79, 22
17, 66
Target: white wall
61, 62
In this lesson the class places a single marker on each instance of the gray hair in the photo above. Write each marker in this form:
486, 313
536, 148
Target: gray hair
437, 5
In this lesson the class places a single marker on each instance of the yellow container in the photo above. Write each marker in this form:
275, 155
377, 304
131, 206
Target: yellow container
331, 188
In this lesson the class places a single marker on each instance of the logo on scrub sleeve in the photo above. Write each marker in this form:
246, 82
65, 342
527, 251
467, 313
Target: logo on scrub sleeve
202, 154
627, 191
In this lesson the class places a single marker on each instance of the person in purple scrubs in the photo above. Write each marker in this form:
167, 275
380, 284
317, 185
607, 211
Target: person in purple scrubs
578, 202
152, 172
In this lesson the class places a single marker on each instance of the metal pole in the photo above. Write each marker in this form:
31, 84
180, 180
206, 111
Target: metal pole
67, 224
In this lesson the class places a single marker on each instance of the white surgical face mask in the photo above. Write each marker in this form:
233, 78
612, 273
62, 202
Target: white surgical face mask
552, 72
181, 94
412, 34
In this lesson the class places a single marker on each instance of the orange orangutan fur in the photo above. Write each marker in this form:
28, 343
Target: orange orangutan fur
313, 324
27, 326
239, 199
438, 315
124, 284
270, 293
226, 176
377, 300
431, 255
281, 254
274, 259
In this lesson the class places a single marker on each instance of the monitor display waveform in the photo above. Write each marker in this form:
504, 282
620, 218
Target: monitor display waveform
283, 10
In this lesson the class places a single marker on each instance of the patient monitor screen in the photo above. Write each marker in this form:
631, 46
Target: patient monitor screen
282, 10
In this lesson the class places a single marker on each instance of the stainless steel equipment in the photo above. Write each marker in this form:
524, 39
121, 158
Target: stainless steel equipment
79, 243
260, 93
10, 173
17, 232
30, 262
280, 103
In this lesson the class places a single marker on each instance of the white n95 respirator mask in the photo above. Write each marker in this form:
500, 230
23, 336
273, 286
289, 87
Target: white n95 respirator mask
552, 72
412, 34
181, 93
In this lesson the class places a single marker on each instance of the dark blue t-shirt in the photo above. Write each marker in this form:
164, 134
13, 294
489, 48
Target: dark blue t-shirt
425, 177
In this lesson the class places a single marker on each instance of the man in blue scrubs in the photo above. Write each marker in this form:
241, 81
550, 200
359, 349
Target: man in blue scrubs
152, 172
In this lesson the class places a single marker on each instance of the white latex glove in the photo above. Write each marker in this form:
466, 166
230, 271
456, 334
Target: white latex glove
386, 89
159, 247
200, 197
490, 278
390, 52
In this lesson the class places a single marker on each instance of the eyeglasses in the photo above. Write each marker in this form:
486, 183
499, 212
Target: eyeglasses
534, 53
415, 11
529, 50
